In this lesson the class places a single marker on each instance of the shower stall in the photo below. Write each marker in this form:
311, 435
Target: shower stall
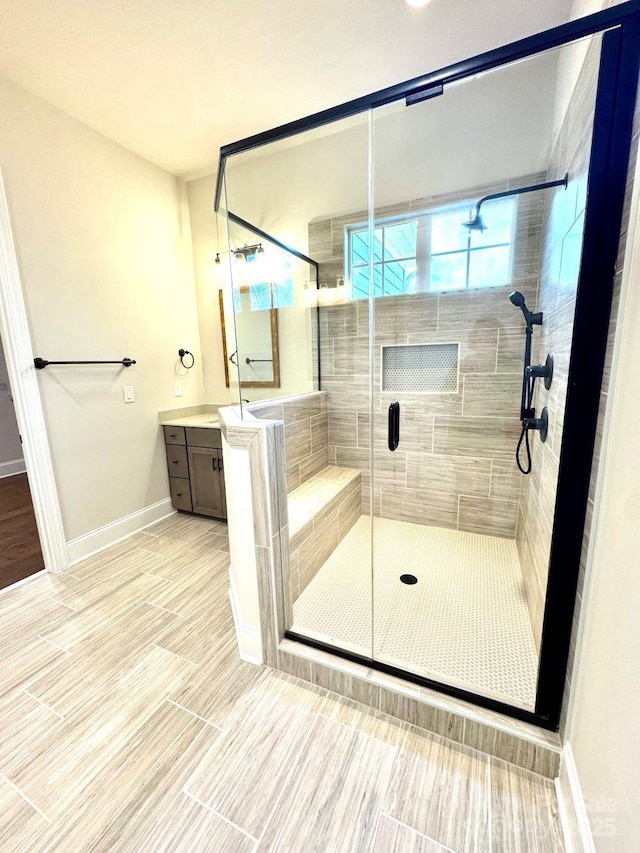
440, 259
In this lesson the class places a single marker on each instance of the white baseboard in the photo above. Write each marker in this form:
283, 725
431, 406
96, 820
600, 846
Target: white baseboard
574, 817
97, 540
249, 639
10, 469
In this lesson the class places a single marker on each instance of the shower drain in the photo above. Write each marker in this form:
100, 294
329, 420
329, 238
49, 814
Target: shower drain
410, 579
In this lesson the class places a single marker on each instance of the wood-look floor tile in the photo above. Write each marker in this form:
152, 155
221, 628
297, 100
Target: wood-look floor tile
119, 559
96, 667
192, 560
133, 826
188, 529
524, 815
27, 623
124, 780
23, 662
220, 542
19, 822
242, 776
334, 794
170, 547
394, 837
193, 636
15, 599
21, 715
92, 588
221, 681
84, 625
362, 718
441, 790
201, 582
63, 758
187, 825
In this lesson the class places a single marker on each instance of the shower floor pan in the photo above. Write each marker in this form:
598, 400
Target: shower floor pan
465, 622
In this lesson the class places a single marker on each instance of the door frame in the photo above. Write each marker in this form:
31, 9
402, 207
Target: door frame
19, 354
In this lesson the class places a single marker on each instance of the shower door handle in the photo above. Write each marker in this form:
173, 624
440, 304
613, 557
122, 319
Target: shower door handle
394, 425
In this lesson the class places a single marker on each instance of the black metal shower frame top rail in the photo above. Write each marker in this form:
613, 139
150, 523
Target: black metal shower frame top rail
546, 40
610, 151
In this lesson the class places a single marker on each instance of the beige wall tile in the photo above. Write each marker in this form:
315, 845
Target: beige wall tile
487, 394
494, 438
450, 474
488, 517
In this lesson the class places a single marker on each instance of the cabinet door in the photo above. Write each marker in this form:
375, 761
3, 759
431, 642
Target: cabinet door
207, 486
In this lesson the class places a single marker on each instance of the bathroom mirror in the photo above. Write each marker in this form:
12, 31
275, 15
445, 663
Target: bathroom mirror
258, 361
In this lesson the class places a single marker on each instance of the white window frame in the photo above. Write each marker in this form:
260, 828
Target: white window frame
424, 254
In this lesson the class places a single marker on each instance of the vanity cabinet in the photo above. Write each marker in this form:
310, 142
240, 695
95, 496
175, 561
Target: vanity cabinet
196, 470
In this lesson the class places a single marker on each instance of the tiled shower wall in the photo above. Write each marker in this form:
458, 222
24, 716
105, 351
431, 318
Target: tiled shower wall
455, 463
561, 250
305, 433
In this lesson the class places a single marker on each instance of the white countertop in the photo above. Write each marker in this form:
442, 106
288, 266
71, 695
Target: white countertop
208, 420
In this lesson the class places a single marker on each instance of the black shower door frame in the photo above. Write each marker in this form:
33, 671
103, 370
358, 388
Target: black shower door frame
610, 151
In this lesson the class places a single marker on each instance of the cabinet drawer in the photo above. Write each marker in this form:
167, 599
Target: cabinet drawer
177, 460
204, 437
174, 435
180, 494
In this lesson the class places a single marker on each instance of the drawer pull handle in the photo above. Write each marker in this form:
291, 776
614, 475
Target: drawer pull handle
175, 461
178, 494
213, 461
172, 435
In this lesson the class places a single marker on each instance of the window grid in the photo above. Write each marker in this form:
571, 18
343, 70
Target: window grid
424, 267
383, 264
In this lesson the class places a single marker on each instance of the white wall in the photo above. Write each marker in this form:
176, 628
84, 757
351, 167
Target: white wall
10, 447
603, 720
103, 244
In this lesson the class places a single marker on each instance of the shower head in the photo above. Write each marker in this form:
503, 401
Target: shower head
516, 298
476, 223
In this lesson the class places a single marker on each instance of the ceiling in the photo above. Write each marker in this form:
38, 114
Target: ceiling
173, 81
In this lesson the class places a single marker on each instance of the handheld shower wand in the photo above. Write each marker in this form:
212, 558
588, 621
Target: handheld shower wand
529, 376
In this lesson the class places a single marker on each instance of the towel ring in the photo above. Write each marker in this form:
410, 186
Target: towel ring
182, 353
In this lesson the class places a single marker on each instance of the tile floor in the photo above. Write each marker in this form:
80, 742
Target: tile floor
465, 622
130, 724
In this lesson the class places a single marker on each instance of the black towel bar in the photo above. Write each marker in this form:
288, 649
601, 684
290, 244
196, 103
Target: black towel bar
41, 363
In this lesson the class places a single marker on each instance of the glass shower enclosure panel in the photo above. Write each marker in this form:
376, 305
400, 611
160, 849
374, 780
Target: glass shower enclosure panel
287, 204
471, 261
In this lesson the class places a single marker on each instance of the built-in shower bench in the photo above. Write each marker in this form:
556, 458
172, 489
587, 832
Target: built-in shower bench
322, 510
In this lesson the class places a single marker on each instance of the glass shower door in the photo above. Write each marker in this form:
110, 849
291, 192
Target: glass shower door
477, 243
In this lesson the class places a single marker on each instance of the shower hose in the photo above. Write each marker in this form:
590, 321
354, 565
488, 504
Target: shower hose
524, 435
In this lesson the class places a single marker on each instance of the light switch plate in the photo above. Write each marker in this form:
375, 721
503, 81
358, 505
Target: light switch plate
177, 389
127, 391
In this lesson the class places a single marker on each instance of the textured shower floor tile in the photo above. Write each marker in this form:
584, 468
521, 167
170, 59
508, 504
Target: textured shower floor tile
464, 622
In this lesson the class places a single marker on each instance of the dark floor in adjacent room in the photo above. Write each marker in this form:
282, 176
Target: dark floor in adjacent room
20, 553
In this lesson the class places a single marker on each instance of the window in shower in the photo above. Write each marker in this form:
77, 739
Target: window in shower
460, 257
433, 251
394, 253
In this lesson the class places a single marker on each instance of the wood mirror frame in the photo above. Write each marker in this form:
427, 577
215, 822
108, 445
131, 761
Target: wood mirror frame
275, 382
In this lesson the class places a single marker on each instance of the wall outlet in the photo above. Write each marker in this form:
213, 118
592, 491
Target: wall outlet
127, 391
177, 389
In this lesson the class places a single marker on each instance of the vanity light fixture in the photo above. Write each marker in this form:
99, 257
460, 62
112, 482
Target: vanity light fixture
417, 4
247, 252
